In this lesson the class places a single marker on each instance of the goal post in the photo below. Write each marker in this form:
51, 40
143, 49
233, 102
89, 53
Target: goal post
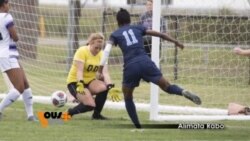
207, 65
154, 89
74, 13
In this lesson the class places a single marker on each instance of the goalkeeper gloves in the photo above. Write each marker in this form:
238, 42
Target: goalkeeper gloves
114, 93
80, 87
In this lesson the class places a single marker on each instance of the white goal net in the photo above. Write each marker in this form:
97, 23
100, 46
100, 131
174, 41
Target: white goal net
50, 33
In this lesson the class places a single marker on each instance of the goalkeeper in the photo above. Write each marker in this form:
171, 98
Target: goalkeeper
81, 79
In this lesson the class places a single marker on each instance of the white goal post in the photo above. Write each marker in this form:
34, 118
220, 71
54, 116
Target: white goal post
200, 114
154, 92
51, 32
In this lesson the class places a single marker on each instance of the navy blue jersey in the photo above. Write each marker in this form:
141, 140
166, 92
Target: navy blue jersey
130, 40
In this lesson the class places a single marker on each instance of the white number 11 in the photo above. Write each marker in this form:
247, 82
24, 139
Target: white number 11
132, 36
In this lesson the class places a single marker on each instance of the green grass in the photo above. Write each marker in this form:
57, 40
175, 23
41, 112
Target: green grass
15, 127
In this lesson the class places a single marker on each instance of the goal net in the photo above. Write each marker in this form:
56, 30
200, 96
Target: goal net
50, 33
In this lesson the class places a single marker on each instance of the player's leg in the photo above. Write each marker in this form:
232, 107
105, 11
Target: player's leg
8, 84
28, 98
86, 98
175, 89
130, 105
131, 79
14, 92
97, 86
86, 102
11, 67
153, 74
100, 89
7, 81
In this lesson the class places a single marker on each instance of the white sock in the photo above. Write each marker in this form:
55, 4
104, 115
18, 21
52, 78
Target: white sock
28, 101
11, 97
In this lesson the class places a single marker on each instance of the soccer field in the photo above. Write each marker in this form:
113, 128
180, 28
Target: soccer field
214, 92
81, 128
48, 38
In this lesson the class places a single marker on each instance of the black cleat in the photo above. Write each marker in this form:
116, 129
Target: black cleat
99, 117
1, 115
70, 112
194, 98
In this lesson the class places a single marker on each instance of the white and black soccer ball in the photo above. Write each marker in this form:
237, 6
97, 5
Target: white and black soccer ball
59, 98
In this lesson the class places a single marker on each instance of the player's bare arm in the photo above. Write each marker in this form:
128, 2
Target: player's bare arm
13, 33
165, 37
106, 75
239, 51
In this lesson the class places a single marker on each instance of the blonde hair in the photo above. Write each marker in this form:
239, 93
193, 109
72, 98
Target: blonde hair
94, 36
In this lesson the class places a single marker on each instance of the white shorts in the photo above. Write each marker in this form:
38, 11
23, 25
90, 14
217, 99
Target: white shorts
8, 63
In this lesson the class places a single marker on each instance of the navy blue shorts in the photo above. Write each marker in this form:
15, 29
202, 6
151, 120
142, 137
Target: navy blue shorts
146, 70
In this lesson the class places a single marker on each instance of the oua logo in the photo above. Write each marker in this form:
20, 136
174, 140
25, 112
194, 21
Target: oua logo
47, 118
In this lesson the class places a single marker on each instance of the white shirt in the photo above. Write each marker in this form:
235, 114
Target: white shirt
7, 45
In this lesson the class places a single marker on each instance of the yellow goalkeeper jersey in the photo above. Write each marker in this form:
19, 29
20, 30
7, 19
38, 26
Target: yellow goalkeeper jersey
91, 64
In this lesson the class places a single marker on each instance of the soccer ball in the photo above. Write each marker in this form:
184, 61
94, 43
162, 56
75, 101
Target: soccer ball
59, 98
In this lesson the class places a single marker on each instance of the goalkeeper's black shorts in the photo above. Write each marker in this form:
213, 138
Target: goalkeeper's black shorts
72, 88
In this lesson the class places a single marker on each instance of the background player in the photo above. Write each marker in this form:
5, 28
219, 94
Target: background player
10, 65
81, 78
137, 64
146, 21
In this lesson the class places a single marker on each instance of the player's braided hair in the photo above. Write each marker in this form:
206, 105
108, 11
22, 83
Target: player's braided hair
2, 2
123, 17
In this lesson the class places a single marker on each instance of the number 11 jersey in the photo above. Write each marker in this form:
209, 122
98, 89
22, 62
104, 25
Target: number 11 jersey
130, 39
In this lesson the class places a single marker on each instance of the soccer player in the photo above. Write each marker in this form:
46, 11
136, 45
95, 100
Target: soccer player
81, 78
243, 52
9, 63
146, 21
137, 64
